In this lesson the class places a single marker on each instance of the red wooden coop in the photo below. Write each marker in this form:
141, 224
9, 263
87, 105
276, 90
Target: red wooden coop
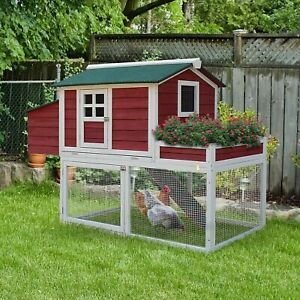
102, 124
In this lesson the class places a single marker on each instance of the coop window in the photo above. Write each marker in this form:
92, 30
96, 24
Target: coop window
188, 98
94, 105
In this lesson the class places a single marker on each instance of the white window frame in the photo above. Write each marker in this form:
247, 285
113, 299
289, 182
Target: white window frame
105, 119
195, 84
94, 105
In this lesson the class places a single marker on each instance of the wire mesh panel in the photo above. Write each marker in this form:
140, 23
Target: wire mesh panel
168, 205
94, 195
238, 201
18, 98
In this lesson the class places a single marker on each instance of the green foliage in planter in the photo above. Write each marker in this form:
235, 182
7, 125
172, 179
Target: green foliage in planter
226, 112
201, 131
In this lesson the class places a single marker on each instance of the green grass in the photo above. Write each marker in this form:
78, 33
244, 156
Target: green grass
43, 259
83, 202
192, 234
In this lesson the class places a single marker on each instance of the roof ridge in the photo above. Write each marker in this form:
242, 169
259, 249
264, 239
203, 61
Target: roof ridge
196, 62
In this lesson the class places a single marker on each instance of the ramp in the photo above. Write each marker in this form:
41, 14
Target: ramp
180, 194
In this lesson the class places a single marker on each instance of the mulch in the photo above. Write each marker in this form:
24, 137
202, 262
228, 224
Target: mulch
283, 200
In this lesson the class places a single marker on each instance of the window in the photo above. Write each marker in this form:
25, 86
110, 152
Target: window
93, 105
188, 98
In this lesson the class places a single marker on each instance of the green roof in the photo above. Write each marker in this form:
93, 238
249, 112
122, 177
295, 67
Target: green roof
127, 74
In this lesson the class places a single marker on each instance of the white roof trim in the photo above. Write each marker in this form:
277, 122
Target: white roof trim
195, 61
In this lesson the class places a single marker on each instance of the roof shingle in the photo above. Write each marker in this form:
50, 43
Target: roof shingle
126, 74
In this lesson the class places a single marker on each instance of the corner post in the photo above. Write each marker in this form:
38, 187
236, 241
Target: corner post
63, 191
238, 46
210, 229
126, 200
263, 185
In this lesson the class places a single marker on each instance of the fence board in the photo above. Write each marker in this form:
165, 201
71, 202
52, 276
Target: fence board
251, 88
264, 101
264, 96
290, 131
227, 80
277, 121
218, 72
238, 86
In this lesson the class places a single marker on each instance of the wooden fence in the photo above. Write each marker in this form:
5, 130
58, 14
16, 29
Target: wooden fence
274, 93
261, 71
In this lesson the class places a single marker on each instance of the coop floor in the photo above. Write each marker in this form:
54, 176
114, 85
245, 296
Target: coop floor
192, 234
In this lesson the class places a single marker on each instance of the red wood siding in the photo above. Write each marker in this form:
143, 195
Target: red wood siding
179, 153
130, 119
43, 130
238, 151
183, 153
168, 96
70, 118
93, 132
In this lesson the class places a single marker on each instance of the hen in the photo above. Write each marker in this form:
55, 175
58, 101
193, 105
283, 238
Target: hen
160, 214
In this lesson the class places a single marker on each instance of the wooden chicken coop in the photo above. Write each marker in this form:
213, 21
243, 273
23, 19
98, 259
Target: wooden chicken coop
127, 181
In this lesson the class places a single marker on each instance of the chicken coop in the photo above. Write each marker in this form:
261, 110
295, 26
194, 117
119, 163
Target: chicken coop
128, 182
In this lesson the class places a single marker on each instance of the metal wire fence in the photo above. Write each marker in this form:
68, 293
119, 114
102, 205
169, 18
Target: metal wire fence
238, 202
165, 205
16, 98
94, 195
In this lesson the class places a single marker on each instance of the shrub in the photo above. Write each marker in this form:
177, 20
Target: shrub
296, 160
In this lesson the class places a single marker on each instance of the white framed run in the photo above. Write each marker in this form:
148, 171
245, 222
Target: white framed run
217, 202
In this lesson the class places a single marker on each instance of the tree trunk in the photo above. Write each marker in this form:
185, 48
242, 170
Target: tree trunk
131, 8
188, 10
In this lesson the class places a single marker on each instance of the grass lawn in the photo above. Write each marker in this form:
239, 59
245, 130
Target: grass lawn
43, 259
192, 234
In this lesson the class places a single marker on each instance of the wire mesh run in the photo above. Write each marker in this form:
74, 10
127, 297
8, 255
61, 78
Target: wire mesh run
94, 195
238, 201
168, 205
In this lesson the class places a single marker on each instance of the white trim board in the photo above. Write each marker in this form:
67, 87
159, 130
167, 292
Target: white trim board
195, 61
104, 86
197, 99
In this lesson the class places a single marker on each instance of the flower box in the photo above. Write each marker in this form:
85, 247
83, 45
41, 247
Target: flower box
178, 152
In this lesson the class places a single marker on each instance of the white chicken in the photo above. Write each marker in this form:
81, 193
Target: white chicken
161, 214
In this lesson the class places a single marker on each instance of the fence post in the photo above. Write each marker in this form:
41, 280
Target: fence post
238, 45
58, 72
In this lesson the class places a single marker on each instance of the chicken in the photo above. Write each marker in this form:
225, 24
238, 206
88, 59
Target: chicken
164, 195
140, 202
160, 214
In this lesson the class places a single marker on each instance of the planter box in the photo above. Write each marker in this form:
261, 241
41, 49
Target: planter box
199, 153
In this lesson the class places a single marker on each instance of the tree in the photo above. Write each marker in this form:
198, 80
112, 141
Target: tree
53, 29
134, 8
255, 16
